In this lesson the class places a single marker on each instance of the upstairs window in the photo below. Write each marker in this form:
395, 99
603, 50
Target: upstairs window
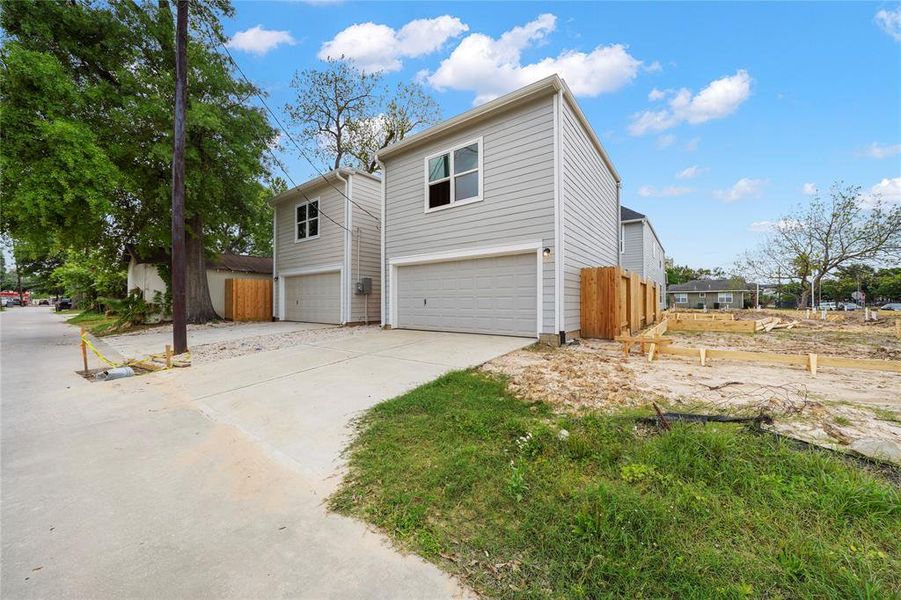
307, 219
454, 177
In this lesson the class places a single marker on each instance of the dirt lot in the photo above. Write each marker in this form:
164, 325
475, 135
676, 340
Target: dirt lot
837, 407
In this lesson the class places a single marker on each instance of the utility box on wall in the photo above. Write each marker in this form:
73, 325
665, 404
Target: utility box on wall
364, 286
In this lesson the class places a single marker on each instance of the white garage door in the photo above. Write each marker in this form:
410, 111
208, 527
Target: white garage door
484, 295
313, 298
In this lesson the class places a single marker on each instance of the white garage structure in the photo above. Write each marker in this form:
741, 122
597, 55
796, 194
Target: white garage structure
326, 241
494, 291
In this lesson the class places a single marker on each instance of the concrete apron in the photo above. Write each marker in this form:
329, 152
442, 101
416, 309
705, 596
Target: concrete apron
209, 481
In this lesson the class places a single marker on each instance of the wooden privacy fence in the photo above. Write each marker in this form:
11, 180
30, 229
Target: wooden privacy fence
615, 301
248, 299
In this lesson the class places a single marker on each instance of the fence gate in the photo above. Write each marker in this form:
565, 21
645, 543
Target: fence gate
248, 299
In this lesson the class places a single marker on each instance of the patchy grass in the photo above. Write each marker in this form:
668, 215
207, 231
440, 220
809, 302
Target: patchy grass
885, 414
484, 485
97, 323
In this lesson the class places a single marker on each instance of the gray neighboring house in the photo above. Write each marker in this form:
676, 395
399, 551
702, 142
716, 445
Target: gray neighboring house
641, 249
711, 293
489, 216
326, 241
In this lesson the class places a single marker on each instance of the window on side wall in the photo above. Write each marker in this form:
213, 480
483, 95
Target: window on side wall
307, 220
724, 298
681, 298
454, 176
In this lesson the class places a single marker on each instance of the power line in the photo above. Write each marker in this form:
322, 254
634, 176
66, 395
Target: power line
288, 135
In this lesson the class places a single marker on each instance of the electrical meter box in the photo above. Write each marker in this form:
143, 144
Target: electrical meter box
364, 286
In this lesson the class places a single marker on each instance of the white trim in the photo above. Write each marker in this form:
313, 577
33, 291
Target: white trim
349, 274
468, 253
318, 219
305, 271
451, 176
561, 254
556, 222
384, 179
345, 247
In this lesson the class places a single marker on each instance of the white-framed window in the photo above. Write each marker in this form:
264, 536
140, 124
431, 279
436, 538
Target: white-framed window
454, 177
306, 220
724, 297
681, 298
622, 239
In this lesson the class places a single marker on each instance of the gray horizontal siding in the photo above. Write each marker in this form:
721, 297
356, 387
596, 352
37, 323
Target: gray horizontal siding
518, 195
327, 249
366, 238
590, 212
654, 267
633, 242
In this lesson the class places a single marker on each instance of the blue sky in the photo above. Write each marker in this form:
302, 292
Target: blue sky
718, 116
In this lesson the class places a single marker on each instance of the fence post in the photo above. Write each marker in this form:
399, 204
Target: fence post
84, 350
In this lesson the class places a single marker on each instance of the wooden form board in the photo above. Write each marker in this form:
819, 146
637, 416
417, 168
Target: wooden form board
701, 316
615, 301
248, 299
678, 324
811, 361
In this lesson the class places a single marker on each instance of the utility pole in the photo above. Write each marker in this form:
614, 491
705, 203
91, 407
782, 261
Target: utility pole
179, 328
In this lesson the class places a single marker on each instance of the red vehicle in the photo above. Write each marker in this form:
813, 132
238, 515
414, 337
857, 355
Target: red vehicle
11, 297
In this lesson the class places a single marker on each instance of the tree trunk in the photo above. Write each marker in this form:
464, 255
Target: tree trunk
197, 289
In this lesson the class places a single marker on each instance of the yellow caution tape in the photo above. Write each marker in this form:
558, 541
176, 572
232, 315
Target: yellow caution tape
148, 359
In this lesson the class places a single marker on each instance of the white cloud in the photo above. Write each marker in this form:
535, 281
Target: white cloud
665, 141
742, 188
257, 40
781, 224
719, 99
890, 22
656, 95
691, 172
649, 191
491, 67
888, 190
373, 47
809, 188
880, 151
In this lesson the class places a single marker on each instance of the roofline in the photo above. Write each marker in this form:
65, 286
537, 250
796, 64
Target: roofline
317, 181
550, 84
654, 231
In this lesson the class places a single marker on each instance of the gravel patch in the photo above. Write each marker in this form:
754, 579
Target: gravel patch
207, 353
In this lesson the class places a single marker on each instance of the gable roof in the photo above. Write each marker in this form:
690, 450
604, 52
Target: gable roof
322, 179
711, 285
550, 84
627, 214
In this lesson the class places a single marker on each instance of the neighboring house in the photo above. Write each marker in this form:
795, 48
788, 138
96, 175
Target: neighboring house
143, 274
641, 249
712, 293
489, 217
326, 243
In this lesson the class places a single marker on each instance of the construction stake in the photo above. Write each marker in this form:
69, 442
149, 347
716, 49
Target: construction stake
84, 351
651, 352
812, 363
703, 353
168, 356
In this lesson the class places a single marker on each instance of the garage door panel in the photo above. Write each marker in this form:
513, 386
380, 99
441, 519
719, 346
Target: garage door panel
314, 298
485, 295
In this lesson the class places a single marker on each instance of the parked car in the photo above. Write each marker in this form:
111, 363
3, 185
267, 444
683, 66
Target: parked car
891, 306
828, 306
848, 306
44, 302
64, 304
15, 302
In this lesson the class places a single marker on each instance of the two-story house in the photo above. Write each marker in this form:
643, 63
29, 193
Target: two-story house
641, 249
326, 249
488, 217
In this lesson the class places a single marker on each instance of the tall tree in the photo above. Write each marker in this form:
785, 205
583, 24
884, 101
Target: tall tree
817, 239
92, 84
346, 115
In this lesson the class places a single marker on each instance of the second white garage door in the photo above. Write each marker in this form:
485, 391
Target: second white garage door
484, 295
313, 298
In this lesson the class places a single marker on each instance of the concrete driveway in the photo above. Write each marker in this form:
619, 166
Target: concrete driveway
201, 482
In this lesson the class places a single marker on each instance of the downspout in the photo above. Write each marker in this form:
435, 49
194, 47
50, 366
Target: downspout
619, 228
383, 275
347, 245
275, 310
